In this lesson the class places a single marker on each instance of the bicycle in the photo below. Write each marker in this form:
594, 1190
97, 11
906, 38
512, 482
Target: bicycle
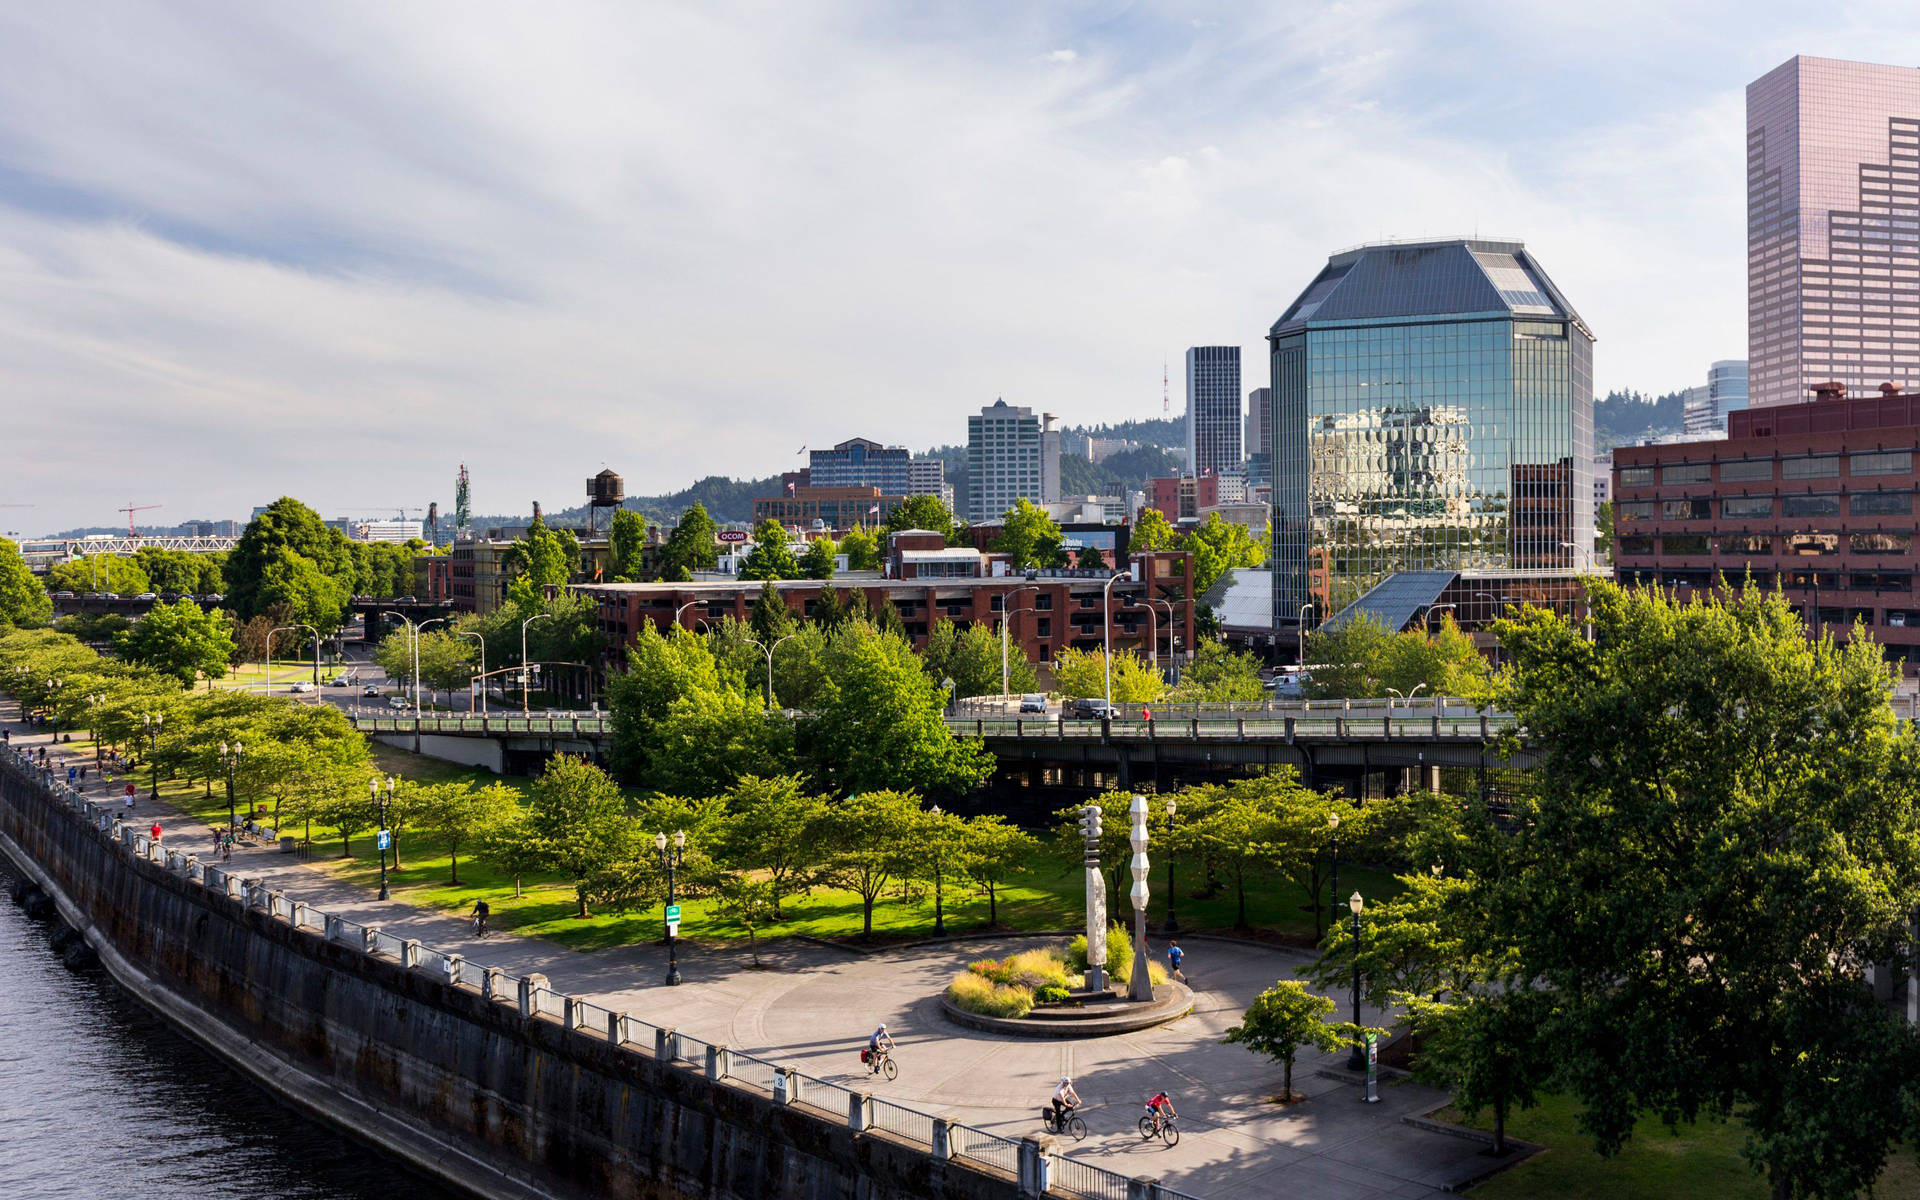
880, 1062
1166, 1129
1072, 1126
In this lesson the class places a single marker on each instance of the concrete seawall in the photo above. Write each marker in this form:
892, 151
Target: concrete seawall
465, 1087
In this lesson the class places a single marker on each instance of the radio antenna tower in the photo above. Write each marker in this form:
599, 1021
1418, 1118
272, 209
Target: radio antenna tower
461, 510
1166, 402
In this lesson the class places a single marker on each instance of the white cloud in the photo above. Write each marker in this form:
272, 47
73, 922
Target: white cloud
337, 253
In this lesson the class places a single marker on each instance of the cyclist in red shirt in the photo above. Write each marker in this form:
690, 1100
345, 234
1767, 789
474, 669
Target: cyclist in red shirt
1159, 1105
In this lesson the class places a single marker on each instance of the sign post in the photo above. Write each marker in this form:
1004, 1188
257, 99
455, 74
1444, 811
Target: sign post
673, 920
1373, 1068
386, 840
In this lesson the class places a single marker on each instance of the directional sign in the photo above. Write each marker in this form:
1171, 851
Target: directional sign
386, 840
673, 929
673, 914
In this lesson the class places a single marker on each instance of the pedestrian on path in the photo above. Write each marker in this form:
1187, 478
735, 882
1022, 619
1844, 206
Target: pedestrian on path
1175, 955
83, 776
73, 775
130, 791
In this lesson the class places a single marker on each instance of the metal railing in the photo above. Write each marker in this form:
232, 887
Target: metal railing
836, 1102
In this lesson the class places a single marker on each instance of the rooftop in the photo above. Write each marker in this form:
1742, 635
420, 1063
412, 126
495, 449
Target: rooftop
1444, 277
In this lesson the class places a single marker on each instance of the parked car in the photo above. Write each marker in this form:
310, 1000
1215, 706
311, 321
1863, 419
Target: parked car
1035, 703
1091, 708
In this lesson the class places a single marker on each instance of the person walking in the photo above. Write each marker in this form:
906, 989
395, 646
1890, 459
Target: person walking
1175, 956
130, 792
155, 831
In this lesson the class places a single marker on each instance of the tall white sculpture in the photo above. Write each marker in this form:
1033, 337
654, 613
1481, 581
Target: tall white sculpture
1096, 901
1141, 986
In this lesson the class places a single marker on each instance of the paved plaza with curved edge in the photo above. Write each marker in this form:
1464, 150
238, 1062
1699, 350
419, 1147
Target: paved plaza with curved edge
814, 1005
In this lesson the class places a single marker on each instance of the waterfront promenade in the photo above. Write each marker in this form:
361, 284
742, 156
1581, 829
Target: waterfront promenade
815, 1005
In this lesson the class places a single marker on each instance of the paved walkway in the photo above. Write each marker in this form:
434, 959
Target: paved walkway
813, 1007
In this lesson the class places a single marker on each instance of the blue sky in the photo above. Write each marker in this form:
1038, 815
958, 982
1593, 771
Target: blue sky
335, 251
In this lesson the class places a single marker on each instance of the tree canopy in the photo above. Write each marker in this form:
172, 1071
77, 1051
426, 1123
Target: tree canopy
290, 564
1219, 546
922, 512
626, 546
1083, 674
22, 600
1029, 536
690, 545
180, 639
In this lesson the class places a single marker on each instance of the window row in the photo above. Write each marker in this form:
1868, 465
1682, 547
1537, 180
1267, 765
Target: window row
1695, 508
1751, 470
1811, 545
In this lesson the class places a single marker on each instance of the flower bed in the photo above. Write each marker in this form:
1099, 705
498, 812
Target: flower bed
1010, 987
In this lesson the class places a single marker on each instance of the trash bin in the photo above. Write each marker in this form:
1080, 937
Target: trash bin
289, 845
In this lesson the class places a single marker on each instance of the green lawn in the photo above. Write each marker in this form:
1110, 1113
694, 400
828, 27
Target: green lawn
1050, 898
1702, 1161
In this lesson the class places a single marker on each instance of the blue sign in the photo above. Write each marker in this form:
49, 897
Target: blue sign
386, 840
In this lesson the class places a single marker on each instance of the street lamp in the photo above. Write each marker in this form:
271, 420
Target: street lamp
1173, 924
1434, 608
381, 803
1006, 614
152, 722
1357, 1061
670, 861
482, 643
525, 678
230, 761
684, 607
1153, 636
1333, 885
1107, 654
768, 650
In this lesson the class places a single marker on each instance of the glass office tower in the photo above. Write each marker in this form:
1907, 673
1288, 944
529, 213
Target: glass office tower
1432, 410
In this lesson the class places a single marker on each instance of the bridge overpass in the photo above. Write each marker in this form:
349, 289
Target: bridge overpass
1353, 746
42, 553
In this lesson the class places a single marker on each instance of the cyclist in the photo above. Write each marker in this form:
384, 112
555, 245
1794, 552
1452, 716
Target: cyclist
1160, 1106
1065, 1100
878, 1047
481, 911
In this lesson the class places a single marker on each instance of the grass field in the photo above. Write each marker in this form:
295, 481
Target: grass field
1702, 1161
1050, 898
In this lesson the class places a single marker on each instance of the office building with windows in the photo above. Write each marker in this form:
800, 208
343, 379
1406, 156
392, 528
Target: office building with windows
1259, 422
1213, 409
1816, 499
1012, 454
859, 463
1705, 407
1833, 228
1432, 415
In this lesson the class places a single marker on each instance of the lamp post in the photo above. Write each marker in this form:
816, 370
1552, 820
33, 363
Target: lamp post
1357, 1061
1173, 659
684, 607
1006, 614
768, 650
1141, 986
230, 761
1333, 885
670, 861
152, 722
482, 643
381, 802
525, 678
1153, 636
1173, 923
1434, 608
1107, 654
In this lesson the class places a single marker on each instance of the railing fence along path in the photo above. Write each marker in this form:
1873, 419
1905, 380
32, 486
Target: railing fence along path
1038, 1172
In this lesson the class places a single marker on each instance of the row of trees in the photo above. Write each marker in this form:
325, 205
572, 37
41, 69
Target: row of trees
1362, 658
1217, 546
1680, 916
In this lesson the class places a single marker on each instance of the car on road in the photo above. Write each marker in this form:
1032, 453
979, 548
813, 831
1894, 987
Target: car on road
340, 681
396, 701
146, 596
63, 596
370, 690
1035, 703
302, 686
1091, 709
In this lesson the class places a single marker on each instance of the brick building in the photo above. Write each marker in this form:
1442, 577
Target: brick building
1816, 498
832, 507
1051, 610
1183, 496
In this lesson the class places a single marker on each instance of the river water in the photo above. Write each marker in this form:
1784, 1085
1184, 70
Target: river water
99, 1098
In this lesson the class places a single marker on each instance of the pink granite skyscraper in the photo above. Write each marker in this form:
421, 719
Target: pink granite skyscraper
1833, 228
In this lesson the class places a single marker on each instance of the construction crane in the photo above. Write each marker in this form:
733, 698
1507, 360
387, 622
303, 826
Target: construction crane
132, 508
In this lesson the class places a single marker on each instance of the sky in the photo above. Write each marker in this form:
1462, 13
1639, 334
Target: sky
335, 251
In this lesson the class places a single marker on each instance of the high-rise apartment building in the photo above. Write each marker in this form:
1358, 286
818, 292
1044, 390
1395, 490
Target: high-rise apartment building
1213, 409
1012, 453
1833, 228
1706, 406
1432, 414
928, 477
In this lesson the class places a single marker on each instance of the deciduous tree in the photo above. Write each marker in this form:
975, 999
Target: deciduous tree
818, 561
181, 639
578, 824
772, 554
1280, 1022
626, 546
871, 839
1029, 536
1083, 673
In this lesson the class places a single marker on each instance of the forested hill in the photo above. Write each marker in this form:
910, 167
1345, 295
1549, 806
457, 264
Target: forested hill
1622, 418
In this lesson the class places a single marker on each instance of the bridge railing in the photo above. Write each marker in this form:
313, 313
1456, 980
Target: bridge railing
1021, 1158
477, 726
1324, 725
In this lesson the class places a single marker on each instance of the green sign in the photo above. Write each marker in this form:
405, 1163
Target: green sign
673, 913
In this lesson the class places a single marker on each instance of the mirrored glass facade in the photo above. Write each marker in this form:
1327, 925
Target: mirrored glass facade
1432, 410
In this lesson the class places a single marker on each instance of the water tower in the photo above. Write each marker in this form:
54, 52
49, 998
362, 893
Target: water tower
604, 490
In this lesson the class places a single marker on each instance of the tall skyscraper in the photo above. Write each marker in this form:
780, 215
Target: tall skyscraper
1707, 405
1833, 228
1011, 453
1432, 411
1259, 426
1213, 409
